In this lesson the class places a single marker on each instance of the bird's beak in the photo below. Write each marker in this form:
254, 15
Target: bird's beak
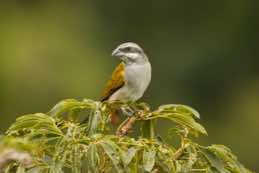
117, 53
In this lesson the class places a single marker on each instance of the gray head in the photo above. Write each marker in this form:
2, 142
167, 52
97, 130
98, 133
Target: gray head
130, 53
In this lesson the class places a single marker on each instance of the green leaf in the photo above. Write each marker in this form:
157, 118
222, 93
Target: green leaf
55, 168
128, 155
113, 152
214, 160
70, 108
181, 119
21, 169
93, 158
149, 155
41, 123
77, 158
188, 164
34, 170
72, 146
95, 122
164, 159
180, 114
229, 159
180, 109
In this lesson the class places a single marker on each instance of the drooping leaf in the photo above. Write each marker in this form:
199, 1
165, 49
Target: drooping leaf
229, 159
113, 152
133, 166
20, 169
34, 170
93, 158
86, 147
214, 161
188, 164
180, 114
70, 108
181, 119
128, 155
76, 159
177, 108
56, 167
149, 157
164, 159
95, 122
41, 123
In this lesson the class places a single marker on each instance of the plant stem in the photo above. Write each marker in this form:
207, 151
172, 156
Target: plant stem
126, 126
148, 129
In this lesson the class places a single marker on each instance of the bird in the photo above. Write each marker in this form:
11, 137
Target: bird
131, 77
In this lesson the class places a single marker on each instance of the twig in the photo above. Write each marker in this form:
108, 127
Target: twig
126, 126
180, 151
184, 145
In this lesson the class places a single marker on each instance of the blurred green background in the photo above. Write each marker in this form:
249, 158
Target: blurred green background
204, 54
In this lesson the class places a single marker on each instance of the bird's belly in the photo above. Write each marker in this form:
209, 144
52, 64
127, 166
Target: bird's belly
137, 81
127, 93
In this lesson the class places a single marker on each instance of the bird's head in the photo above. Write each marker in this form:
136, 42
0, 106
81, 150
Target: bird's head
130, 53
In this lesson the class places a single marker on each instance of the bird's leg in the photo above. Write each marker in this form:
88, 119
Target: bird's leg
132, 108
128, 111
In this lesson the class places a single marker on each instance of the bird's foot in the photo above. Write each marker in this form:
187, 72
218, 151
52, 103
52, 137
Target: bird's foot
128, 111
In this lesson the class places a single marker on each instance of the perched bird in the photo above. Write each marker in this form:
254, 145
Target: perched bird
131, 77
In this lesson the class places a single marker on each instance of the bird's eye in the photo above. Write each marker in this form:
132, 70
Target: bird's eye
127, 49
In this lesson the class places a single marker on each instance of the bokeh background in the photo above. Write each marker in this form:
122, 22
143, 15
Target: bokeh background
204, 54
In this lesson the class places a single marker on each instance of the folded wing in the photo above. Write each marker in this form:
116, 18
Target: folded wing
116, 82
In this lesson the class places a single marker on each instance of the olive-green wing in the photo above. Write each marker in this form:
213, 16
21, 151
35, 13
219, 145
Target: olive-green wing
115, 83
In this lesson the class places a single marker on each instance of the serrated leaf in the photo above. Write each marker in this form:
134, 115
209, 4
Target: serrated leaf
113, 152
149, 158
128, 155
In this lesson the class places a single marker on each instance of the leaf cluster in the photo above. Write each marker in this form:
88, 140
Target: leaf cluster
77, 136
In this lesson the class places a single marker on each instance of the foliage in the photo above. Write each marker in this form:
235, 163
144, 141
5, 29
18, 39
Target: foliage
76, 136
